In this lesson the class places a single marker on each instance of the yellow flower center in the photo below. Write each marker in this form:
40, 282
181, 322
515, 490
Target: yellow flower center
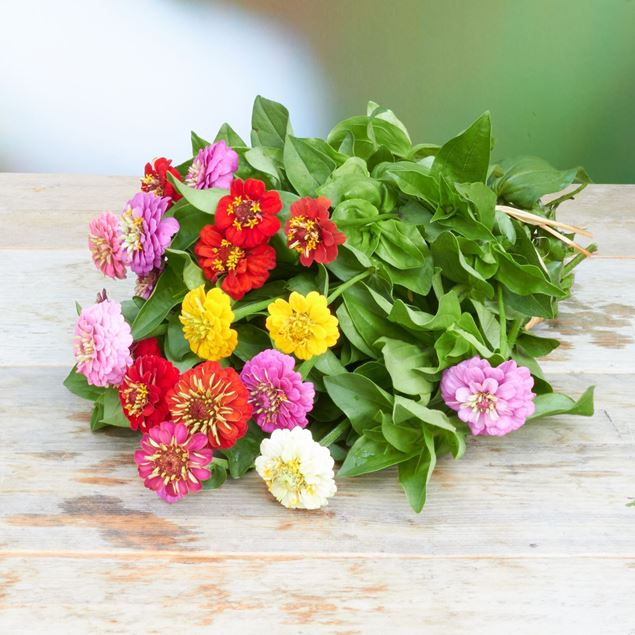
170, 462
227, 256
132, 230
136, 396
483, 402
85, 349
289, 474
151, 183
247, 212
303, 235
298, 327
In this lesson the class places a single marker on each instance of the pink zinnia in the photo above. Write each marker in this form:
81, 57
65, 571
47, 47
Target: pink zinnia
492, 401
146, 234
279, 397
213, 166
102, 344
173, 462
104, 242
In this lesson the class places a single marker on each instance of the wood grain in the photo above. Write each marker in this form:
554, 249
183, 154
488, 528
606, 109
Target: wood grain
526, 534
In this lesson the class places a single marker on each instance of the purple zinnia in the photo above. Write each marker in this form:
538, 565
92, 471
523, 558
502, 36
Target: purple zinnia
145, 233
213, 166
492, 401
145, 284
279, 397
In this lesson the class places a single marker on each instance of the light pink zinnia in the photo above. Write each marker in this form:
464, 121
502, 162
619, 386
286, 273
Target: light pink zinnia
173, 462
492, 401
104, 242
145, 233
102, 344
213, 166
279, 397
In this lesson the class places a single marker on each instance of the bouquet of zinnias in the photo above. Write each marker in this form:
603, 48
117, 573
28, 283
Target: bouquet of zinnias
300, 302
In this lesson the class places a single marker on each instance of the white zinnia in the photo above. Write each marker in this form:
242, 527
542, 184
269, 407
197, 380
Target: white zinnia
298, 470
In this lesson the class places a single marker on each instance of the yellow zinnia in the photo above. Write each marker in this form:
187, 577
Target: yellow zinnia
303, 326
206, 318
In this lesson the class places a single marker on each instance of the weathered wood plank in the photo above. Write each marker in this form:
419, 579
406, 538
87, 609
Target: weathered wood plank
60, 206
596, 326
302, 594
559, 486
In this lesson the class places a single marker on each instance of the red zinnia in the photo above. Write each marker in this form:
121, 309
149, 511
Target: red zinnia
310, 231
212, 400
247, 216
149, 346
244, 269
156, 178
144, 389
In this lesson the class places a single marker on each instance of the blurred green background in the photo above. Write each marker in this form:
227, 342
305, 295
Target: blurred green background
557, 75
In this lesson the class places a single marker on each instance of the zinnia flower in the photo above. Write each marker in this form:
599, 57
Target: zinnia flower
104, 242
156, 179
149, 346
492, 401
297, 470
172, 461
247, 216
213, 166
102, 344
303, 326
279, 397
206, 319
146, 234
243, 269
145, 284
310, 231
144, 389
212, 400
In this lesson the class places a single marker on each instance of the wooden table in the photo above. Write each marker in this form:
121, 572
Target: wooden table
526, 534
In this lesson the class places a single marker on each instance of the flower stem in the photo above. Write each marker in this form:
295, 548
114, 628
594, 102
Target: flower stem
349, 283
305, 367
331, 437
503, 347
250, 309
513, 334
576, 260
222, 462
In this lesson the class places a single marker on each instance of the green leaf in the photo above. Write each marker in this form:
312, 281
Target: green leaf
270, 123
448, 313
77, 384
227, 134
371, 453
482, 199
414, 180
179, 276
113, 413
218, 476
251, 341
198, 143
525, 179
403, 361
261, 161
358, 397
415, 473
204, 200
402, 246
466, 157
97, 415
405, 437
405, 409
191, 222
307, 164
242, 455
175, 346
554, 403
537, 346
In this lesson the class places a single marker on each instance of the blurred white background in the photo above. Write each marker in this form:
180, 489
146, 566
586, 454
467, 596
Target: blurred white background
94, 86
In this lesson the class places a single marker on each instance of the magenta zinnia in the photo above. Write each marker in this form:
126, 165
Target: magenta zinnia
213, 166
279, 397
492, 401
104, 242
173, 462
102, 344
146, 234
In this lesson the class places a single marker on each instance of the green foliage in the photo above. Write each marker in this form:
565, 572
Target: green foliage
431, 273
